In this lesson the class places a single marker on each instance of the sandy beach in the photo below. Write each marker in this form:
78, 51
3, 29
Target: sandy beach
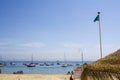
34, 77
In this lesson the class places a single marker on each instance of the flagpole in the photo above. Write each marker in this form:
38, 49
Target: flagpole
80, 50
82, 57
100, 36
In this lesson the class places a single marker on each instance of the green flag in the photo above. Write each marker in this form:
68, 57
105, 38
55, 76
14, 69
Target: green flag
97, 18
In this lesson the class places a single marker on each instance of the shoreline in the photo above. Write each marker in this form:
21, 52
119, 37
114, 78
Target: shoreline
34, 77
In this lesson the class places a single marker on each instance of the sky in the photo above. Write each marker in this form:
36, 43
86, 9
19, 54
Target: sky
50, 29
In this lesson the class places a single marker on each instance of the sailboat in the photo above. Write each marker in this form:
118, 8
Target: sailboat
13, 62
58, 63
64, 65
1, 62
31, 64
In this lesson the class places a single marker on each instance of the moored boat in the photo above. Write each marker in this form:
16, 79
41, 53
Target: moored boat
1, 64
64, 65
31, 65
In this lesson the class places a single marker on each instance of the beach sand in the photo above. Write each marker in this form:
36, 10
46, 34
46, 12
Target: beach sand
34, 77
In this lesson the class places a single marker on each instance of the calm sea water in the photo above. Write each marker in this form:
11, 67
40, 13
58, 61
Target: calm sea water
52, 69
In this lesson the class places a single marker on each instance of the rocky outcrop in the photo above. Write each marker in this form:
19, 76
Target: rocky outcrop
107, 68
98, 75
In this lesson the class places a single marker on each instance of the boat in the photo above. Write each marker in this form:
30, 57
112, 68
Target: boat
12, 63
31, 64
77, 64
58, 63
70, 64
42, 64
1, 64
46, 64
64, 65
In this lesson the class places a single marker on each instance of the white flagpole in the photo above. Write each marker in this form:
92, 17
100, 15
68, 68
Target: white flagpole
80, 50
100, 36
82, 57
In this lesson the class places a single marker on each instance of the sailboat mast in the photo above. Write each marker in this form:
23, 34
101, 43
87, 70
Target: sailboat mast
32, 58
65, 57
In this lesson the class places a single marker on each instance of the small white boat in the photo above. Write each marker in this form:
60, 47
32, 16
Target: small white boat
12, 63
64, 65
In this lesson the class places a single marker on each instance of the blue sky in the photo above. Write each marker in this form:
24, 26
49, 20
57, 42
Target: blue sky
48, 29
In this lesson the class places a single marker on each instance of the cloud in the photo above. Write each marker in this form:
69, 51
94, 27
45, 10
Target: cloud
33, 44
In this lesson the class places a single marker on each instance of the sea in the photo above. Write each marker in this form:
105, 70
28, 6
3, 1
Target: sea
53, 67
